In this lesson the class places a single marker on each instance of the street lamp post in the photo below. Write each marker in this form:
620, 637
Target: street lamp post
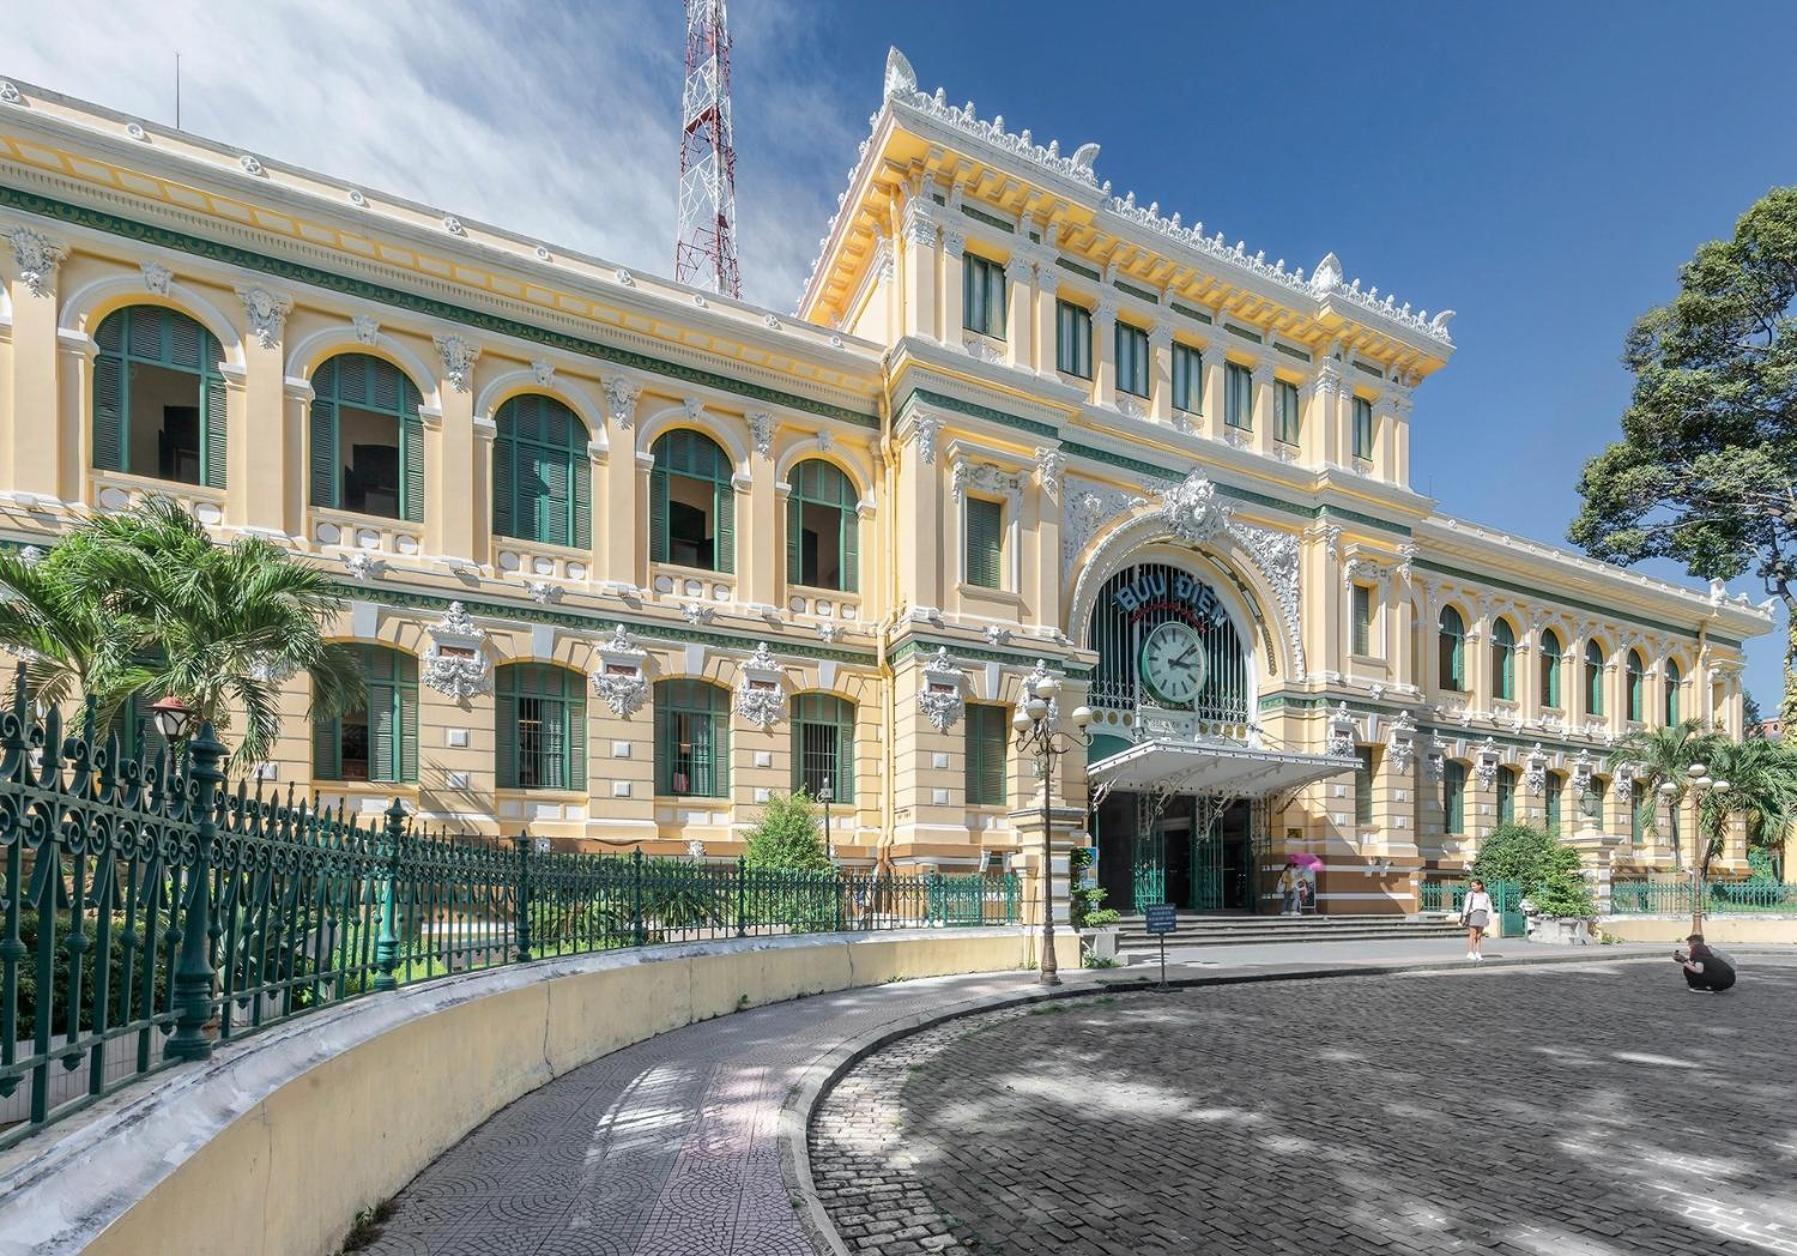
1039, 734
826, 795
1701, 783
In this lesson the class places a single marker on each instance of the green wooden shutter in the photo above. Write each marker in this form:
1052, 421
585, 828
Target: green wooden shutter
658, 513
109, 413
383, 731
504, 478
214, 424
505, 730
411, 431
324, 441
851, 550
720, 748
795, 535
577, 736
724, 542
408, 723
554, 506
985, 542
327, 749
582, 496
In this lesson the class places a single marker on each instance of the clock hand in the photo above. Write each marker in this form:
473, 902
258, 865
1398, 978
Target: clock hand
1186, 657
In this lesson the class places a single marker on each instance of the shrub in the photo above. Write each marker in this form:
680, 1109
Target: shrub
787, 836
1085, 910
1547, 871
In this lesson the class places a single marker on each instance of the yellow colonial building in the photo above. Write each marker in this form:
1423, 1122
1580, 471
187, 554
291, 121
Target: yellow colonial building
626, 559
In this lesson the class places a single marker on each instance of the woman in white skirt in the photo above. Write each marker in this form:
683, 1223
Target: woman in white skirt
1476, 915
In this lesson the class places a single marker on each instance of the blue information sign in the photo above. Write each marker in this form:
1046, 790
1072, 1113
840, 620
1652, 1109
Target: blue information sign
1161, 918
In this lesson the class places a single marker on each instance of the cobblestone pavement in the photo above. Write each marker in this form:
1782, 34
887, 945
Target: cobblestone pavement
665, 1147
1587, 1111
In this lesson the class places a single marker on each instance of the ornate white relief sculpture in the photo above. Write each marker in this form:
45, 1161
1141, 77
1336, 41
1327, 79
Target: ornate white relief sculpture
366, 327
1400, 743
1049, 463
923, 432
267, 314
459, 358
942, 700
761, 695
622, 391
1485, 762
543, 371
761, 431
455, 663
620, 681
362, 564
1342, 731
1534, 775
696, 613
157, 277
998, 634
37, 257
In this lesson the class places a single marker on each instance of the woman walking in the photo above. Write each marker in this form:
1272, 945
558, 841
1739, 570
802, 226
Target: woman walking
1476, 914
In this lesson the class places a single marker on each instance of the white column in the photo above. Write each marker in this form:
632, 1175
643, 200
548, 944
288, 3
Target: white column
1104, 350
1160, 344
1263, 405
1019, 301
954, 245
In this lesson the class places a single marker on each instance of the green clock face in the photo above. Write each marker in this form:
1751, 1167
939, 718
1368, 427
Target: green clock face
1173, 663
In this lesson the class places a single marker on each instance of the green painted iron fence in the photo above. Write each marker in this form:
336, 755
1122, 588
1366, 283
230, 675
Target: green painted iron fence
146, 913
1675, 896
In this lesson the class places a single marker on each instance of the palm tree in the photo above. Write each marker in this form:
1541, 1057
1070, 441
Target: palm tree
224, 626
1663, 756
74, 646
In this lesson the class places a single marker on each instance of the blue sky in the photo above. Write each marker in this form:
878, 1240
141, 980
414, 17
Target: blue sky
1542, 169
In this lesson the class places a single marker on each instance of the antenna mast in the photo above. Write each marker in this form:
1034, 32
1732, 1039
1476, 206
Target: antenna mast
705, 248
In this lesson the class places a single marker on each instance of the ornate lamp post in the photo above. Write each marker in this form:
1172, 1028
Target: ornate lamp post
1697, 776
174, 718
826, 795
1039, 733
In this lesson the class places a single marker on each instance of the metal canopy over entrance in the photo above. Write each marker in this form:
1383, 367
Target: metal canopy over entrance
1189, 822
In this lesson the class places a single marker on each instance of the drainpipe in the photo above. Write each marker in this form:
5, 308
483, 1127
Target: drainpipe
882, 639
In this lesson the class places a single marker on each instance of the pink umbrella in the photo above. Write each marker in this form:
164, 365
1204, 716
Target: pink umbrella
1304, 859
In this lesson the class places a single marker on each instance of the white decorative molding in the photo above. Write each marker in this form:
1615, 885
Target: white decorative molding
9, 94
1342, 732
1190, 510
1400, 743
1534, 776
267, 313
1485, 762
943, 698
362, 564
983, 476
1049, 464
621, 393
1435, 762
1582, 769
1085, 508
696, 613
761, 694
157, 277
983, 349
829, 633
543, 371
998, 635
1039, 673
542, 592
619, 680
459, 358
37, 256
456, 663
923, 435
366, 327
761, 432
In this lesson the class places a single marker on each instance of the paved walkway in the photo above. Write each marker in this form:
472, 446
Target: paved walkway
1584, 1110
670, 1146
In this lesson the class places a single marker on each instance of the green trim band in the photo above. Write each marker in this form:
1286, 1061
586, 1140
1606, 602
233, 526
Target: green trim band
1536, 594
1374, 371
1077, 269
1371, 521
980, 215
1139, 293
1180, 308
965, 653
1243, 332
112, 224
1290, 352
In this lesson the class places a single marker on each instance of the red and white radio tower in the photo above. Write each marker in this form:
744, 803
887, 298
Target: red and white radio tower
705, 248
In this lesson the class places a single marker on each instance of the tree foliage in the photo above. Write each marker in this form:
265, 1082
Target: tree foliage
1547, 871
787, 836
145, 602
1706, 470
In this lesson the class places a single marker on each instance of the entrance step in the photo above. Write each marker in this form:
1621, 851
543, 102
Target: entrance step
1195, 930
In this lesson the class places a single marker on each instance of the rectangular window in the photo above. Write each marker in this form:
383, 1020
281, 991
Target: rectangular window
1285, 412
1640, 813
1363, 428
1453, 795
1363, 787
1362, 642
1188, 379
1132, 360
692, 740
1238, 396
983, 296
1506, 796
988, 737
823, 746
1073, 339
1556, 792
985, 522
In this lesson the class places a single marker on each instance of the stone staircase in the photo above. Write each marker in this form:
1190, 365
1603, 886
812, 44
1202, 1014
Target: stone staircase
1197, 930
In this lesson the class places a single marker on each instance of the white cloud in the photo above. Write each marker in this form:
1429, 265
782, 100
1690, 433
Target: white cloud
554, 121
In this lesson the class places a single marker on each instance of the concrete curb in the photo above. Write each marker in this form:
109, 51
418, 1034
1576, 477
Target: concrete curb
822, 1075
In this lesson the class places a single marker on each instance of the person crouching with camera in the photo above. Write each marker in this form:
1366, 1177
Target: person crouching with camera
1705, 969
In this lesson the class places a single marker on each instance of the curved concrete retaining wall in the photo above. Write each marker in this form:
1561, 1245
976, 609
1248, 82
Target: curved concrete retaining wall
272, 1147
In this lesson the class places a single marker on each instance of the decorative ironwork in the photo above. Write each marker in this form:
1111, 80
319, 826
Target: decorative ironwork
148, 913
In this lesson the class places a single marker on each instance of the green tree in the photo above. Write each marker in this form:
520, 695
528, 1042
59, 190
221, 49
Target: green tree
787, 836
1706, 470
1658, 756
222, 627
1547, 872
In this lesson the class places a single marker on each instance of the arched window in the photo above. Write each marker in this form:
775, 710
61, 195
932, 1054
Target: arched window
378, 742
1503, 660
1453, 795
159, 398
1637, 678
1453, 649
1641, 807
1556, 802
823, 532
692, 739
823, 745
367, 439
1594, 678
542, 727
542, 477
1506, 795
1673, 677
692, 506
1550, 668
